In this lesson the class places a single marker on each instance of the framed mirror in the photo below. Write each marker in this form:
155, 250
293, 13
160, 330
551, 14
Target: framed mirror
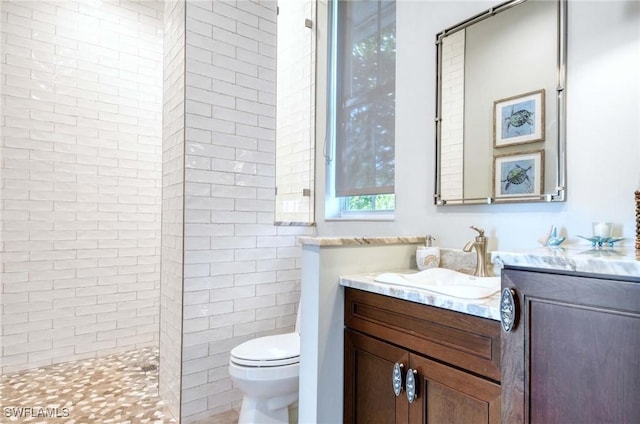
500, 106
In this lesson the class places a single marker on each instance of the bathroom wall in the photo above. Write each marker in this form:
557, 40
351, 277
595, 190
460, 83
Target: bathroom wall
81, 89
241, 273
172, 206
603, 135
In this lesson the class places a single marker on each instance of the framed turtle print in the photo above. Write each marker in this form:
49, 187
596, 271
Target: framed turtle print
518, 119
518, 174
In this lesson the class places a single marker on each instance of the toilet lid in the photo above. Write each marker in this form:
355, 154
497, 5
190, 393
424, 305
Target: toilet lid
269, 351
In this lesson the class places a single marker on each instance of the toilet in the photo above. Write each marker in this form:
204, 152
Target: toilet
266, 370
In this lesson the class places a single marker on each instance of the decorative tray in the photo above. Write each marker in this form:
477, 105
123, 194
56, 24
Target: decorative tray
597, 241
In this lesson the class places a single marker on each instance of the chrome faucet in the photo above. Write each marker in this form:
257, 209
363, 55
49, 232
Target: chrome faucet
480, 244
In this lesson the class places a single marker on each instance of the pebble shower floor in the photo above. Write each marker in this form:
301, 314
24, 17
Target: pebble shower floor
120, 388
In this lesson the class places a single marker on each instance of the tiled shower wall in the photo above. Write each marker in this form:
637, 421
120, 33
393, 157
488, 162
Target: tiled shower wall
172, 205
241, 273
81, 88
452, 135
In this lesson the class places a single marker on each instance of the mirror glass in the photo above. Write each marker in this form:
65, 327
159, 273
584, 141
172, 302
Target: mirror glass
500, 106
295, 102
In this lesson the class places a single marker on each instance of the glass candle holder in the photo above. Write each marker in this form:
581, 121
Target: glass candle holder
602, 229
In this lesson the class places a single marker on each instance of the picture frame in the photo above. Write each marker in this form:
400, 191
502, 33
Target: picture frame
519, 119
518, 174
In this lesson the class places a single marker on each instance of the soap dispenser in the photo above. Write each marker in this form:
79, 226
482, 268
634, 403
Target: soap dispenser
428, 256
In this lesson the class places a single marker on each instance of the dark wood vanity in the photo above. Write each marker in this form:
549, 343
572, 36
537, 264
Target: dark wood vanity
572, 356
454, 358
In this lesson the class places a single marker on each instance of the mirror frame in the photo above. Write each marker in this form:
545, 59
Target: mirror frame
559, 195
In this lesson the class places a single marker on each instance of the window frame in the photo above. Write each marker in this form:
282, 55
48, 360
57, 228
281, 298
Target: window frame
335, 206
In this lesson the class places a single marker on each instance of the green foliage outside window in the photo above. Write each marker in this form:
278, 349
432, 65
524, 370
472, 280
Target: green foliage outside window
378, 202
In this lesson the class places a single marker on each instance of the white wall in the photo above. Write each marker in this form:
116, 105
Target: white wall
603, 132
81, 86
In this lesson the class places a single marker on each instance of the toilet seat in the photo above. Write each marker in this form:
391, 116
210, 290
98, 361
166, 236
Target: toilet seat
268, 351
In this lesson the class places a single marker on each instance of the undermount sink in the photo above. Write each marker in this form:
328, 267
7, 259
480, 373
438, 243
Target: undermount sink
445, 281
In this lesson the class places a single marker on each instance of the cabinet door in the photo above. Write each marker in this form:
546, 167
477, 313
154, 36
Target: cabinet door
573, 355
368, 384
447, 395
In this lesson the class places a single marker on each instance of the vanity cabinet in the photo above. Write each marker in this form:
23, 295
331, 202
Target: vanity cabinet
573, 354
453, 357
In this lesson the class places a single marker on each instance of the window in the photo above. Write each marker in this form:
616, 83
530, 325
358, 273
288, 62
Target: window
362, 115
373, 203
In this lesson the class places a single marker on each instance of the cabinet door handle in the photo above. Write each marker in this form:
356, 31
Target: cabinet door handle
397, 378
412, 392
508, 309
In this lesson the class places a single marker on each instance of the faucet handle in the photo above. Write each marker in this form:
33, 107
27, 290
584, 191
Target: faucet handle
479, 230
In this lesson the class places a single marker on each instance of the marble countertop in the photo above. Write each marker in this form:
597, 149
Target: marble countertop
616, 261
360, 241
485, 308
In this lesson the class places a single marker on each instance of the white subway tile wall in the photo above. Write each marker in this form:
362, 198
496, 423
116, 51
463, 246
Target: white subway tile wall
241, 273
452, 134
172, 206
81, 89
82, 155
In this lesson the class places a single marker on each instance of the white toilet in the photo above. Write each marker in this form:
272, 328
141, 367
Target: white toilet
266, 370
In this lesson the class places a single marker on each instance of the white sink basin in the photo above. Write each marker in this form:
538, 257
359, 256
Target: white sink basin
445, 281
